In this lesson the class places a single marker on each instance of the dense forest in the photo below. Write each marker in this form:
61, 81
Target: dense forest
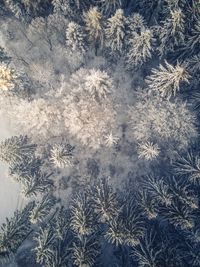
104, 104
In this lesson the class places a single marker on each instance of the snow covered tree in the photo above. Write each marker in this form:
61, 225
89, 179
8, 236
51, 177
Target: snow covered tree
110, 6
162, 122
179, 215
189, 166
75, 38
148, 204
16, 149
63, 7
158, 189
193, 40
171, 32
42, 208
127, 228
45, 240
116, 31
136, 24
98, 84
85, 251
148, 151
7, 78
182, 191
42, 121
89, 113
61, 155
15, 7
110, 139
29, 166
39, 28
83, 219
115, 232
15, 230
89, 121
51, 248
94, 26
36, 183
105, 200
140, 48
167, 79
146, 253
94, 82
194, 64
37, 7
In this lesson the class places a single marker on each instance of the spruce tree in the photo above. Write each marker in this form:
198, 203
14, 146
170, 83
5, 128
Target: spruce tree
16, 149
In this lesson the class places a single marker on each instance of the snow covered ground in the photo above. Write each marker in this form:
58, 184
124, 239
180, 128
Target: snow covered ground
9, 189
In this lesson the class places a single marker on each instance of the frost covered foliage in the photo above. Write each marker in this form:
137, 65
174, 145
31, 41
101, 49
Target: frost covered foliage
16, 149
7, 78
154, 119
172, 32
93, 19
148, 151
109, 6
61, 155
108, 90
75, 37
115, 31
167, 79
42, 119
140, 48
89, 113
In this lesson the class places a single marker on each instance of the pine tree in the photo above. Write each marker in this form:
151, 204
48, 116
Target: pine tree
85, 251
15, 7
94, 26
193, 40
158, 189
16, 149
182, 191
98, 84
110, 6
136, 24
146, 253
15, 230
171, 33
45, 240
140, 48
83, 219
167, 79
179, 215
148, 204
75, 38
61, 155
54, 241
116, 32
42, 208
110, 139
105, 200
127, 228
63, 7
29, 166
36, 183
148, 151
115, 232
189, 166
